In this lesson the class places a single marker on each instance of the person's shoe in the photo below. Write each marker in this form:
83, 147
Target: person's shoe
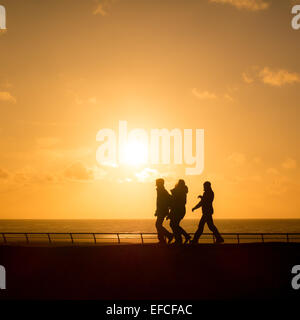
187, 240
170, 238
176, 243
219, 240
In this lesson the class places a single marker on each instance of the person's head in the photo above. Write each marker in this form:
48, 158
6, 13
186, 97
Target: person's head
160, 183
180, 183
207, 186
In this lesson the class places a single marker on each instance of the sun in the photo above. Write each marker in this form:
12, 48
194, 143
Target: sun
135, 153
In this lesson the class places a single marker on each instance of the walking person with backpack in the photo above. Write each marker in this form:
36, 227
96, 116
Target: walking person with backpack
177, 212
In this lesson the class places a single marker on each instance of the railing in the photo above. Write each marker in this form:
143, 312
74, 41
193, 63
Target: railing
74, 238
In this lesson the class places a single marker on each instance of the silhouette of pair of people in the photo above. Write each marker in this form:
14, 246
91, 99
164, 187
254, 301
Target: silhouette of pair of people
172, 206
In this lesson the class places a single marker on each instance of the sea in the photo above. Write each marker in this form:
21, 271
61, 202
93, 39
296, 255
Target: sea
147, 226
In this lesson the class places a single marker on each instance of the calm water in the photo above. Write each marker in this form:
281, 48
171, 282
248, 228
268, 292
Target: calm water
228, 225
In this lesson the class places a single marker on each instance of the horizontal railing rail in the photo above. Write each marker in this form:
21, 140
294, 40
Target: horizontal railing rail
140, 237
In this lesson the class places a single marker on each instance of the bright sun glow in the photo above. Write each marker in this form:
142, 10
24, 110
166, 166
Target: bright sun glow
135, 153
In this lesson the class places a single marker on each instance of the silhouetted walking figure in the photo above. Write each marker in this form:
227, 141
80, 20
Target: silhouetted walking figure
162, 211
207, 212
178, 201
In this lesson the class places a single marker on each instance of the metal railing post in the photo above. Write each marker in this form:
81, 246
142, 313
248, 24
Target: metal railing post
71, 237
142, 238
27, 239
95, 240
118, 238
238, 238
4, 238
262, 237
49, 238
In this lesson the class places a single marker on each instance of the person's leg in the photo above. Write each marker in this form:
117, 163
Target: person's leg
183, 232
158, 225
213, 229
176, 229
166, 233
173, 225
200, 229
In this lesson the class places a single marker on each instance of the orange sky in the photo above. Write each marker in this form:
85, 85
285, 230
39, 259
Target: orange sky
69, 68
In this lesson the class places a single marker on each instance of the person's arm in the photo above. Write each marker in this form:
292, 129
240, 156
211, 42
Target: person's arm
197, 206
169, 200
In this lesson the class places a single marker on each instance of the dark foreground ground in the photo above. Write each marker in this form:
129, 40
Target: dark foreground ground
151, 272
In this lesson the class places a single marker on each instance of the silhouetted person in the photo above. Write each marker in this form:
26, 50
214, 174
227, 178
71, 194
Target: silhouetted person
162, 210
207, 212
178, 201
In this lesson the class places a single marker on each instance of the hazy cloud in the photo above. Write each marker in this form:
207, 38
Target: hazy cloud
203, 95
269, 76
247, 78
272, 171
7, 97
252, 5
30, 175
147, 174
103, 7
78, 171
26, 178
100, 10
228, 97
206, 95
289, 163
278, 78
